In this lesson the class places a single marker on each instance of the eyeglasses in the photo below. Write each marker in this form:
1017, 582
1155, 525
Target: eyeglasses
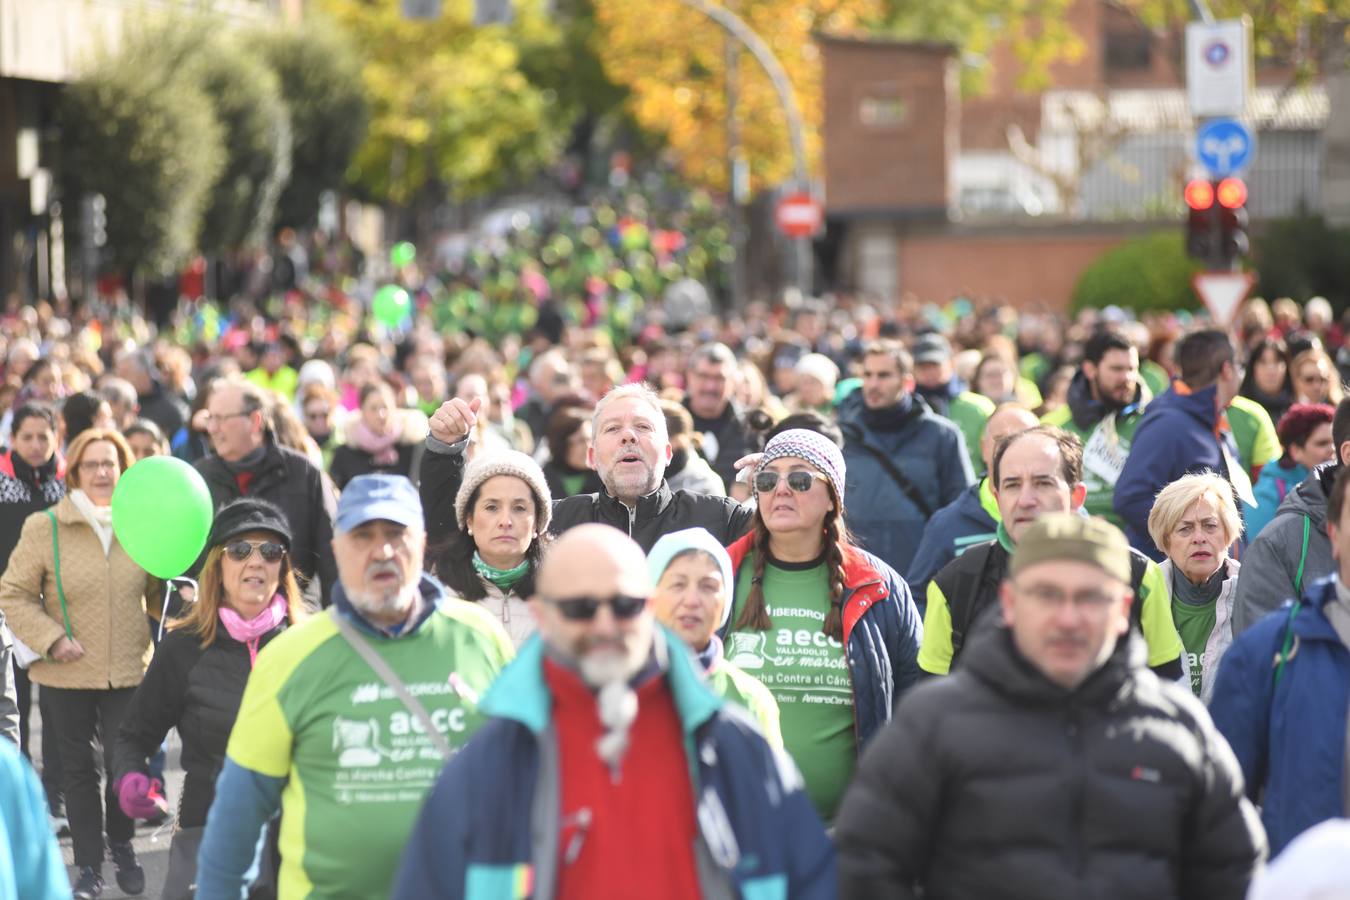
99, 465
767, 482
242, 550
210, 418
583, 609
1051, 597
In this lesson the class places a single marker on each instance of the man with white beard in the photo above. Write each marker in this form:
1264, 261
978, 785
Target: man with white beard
607, 768
349, 715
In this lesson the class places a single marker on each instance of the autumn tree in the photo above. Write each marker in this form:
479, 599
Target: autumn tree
450, 102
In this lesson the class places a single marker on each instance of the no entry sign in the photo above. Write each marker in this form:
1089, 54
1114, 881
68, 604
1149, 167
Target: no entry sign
799, 215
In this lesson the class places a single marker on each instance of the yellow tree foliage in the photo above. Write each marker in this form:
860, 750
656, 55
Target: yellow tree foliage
672, 60
450, 101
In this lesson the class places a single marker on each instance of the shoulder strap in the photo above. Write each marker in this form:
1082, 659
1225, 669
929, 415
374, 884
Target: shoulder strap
1302, 559
965, 604
1289, 645
389, 677
854, 435
56, 563
1138, 569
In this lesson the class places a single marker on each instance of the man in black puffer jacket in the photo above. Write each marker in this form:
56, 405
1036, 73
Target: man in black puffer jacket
629, 449
247, 462
1053, 764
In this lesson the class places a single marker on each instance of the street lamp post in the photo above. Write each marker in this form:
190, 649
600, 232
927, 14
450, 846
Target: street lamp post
737, 28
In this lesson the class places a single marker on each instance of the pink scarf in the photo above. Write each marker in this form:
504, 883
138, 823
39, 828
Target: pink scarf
381, 447
249, 631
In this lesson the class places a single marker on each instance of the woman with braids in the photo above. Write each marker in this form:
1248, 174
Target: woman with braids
831, 630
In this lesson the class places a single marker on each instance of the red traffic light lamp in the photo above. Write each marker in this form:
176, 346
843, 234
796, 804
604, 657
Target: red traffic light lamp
1199, 193
1231, 193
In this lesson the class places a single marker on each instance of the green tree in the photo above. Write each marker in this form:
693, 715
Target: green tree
151, 144
246, 95
320, 75
451, 104
1036, 31
1144, 273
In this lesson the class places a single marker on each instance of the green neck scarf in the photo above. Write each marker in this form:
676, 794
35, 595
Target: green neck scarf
502, 578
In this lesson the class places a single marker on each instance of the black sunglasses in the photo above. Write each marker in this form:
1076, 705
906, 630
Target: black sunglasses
766, 482
583, 609
242, 550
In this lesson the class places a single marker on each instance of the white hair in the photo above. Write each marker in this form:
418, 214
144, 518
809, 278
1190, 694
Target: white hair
636, 391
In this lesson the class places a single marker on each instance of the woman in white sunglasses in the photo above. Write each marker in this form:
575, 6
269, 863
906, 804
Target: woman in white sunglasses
247, 595
829, 629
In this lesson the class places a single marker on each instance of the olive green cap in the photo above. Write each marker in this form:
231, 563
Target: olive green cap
1069, 536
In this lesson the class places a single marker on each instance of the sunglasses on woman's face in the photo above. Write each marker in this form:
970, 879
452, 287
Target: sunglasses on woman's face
583, 609
242, 550
767, 482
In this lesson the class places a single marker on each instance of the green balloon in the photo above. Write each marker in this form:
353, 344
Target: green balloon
161, 513
392, 306
402, 253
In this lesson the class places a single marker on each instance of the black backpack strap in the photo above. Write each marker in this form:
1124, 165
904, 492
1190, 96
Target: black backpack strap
853, 435
968, 591
1138, 569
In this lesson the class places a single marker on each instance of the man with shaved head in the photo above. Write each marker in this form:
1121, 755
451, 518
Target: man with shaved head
971, 518
608, 768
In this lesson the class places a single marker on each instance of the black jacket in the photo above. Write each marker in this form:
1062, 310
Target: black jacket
292, 482
661, 512
732, 435
196, 691
349, 462
165, 408
23, 492
997, 783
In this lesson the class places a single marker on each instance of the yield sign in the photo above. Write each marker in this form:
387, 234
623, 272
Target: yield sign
1223, 293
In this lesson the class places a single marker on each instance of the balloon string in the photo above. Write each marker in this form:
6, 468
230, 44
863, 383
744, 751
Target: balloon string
164, 607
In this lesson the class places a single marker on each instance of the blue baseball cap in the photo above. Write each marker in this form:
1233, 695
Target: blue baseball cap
370, 497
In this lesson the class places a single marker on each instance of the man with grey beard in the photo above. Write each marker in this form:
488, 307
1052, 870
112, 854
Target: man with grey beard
349, 715
608, 768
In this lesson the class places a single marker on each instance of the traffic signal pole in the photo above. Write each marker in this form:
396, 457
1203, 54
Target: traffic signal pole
782, 85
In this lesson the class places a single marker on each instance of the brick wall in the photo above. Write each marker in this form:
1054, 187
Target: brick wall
892, 113
1029, 267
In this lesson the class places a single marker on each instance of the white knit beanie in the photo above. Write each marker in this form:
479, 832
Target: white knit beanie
812, 447
490, 464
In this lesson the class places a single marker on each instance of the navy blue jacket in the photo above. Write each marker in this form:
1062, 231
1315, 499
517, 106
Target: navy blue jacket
954, 528
1290, 739
929, 450
485, 833
1174, 438
882, 634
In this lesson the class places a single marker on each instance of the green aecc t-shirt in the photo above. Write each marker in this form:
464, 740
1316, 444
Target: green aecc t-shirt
807, 673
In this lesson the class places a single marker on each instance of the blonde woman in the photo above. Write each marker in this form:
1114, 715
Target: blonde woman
1315, 378
1194, 521
77, 598
247, 596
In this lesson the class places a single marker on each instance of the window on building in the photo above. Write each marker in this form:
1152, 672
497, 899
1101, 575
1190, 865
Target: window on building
878, 110
1128, 50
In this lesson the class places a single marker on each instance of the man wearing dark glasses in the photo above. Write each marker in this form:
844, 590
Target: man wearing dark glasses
630, 448
608, 768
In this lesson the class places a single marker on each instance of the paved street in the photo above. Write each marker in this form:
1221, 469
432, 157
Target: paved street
152, 844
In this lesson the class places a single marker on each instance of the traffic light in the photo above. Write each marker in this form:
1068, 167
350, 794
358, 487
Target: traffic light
1201, 222
1231, 194
1216, 222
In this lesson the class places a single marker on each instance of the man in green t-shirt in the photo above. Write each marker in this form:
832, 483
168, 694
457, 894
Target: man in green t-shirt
1106, 401
326, 738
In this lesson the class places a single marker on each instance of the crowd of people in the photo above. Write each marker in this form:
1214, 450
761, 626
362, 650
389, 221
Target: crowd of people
847, 598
